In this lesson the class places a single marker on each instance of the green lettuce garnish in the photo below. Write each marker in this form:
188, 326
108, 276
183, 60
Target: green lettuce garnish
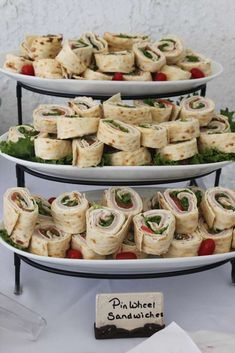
105, 160
229, 115
24, 149
7, 239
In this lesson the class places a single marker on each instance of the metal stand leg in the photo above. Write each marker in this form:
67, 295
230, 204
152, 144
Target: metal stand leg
217, 177
19, 102
17, 261
20, 176
203, 91
193, 182
233, 271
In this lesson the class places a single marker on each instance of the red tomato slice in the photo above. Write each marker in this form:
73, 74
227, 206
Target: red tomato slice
147, 229
165, 101
124, 205
177, 202
74, 254
126, 255
207, 247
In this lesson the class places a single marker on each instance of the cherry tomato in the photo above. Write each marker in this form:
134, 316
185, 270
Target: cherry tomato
147, 229
74, 254
51, 199
126, 255
177, 202
118, 76
28, 70
207, 247
160, 76
197, 73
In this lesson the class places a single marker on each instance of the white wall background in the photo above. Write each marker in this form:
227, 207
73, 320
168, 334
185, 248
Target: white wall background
205, 25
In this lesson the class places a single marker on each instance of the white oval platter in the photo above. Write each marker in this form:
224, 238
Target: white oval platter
118, 174
108, 88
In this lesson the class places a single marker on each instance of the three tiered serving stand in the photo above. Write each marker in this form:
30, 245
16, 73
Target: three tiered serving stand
20, 175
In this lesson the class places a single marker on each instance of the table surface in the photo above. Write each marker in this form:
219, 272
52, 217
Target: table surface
203, 301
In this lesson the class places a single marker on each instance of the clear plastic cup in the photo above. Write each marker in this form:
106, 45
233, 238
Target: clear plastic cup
20, 319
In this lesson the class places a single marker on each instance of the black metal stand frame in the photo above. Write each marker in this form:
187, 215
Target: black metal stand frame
20, 175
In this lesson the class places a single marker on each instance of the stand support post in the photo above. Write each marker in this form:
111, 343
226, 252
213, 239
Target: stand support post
20, 176
217, 177
193, 182
19, 102
203, 91
17, 263
233, 271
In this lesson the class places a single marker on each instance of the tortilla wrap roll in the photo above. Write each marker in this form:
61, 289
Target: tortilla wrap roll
199, 193
223, 142
183, 205
79, 243
153, 135
124, 199
129, 246
119, 135
160, 109
69, 212
138, 75
48, 68
106, 229
172, 47
49, 147
176, 109
87, 151
44, 210
148, 57
98, 43
218, 208
123, 41
222, 238
182, 129
151, 203
75, 56
90, 74
41, 47
138, 157
45, 117
21, 132
115, 108
233, 239
175, 73
48, 240
120, 61
20, 213
14, 63
72, 126
193, 60
86, 107
218, 124
197, 107
179, 151
153, 231
184, 245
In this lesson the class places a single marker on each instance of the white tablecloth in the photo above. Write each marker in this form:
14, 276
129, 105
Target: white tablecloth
199, 301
